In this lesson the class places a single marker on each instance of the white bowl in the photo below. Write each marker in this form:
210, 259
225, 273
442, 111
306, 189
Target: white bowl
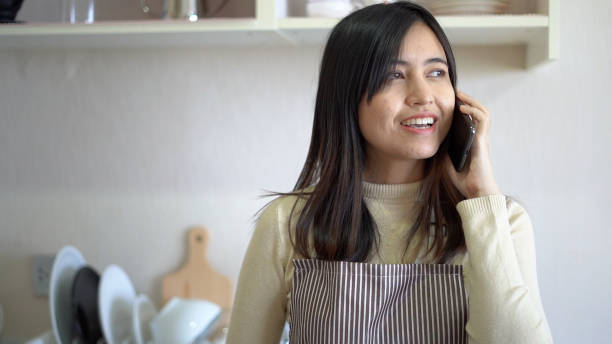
329, 9
182, 321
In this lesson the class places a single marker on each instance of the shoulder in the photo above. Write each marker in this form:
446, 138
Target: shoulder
283, 206
272, 236
280, 211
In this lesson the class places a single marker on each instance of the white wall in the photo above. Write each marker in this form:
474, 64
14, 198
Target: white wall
119, 152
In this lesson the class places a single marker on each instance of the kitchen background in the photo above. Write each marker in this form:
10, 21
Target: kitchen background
120, 151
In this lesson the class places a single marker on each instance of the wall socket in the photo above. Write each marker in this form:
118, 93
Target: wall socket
41, 273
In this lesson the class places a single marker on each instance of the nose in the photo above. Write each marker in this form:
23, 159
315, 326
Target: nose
419, 92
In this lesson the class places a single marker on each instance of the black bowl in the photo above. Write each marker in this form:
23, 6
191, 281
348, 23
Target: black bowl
8, 10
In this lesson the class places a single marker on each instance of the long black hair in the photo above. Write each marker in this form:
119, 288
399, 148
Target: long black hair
356, 59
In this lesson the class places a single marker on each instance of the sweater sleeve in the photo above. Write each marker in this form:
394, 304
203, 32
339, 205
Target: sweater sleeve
501, 278
258, 314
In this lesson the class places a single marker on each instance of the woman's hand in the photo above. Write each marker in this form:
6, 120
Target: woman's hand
477, 179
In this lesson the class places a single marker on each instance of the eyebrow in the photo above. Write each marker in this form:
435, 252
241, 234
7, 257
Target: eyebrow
428, 61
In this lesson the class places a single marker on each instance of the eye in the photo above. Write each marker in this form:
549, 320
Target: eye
438, 73
394, 75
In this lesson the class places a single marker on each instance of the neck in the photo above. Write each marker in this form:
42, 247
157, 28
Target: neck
386, 171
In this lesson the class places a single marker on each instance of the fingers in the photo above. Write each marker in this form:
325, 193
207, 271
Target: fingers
479, 113
471, 101
481, 118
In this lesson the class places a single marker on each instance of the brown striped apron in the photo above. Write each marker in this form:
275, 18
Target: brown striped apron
344, 302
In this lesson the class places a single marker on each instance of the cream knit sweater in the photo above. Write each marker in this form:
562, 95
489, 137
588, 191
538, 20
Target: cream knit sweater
499, 268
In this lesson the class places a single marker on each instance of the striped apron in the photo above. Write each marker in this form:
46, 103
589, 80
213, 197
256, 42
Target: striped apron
344, 302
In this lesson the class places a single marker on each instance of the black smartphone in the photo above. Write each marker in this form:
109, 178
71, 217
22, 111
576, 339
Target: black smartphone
461, 137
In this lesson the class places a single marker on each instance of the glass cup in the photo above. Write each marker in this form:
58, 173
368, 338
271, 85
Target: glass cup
78, 11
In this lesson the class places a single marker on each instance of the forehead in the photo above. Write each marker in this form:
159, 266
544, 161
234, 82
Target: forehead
420, 43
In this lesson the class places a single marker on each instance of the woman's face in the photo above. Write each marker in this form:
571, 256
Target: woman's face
409, 117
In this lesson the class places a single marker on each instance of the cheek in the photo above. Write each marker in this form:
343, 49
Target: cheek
446, 99
447, 107
373, 117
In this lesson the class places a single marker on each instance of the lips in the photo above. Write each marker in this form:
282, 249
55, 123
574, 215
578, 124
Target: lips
421, 118
422, 123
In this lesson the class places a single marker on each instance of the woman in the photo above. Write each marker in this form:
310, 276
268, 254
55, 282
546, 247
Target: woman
382, 240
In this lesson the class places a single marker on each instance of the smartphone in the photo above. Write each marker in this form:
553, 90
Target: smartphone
461, 137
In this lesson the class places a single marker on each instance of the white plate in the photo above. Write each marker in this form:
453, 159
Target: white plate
115, 298
466, 2
65, 266
1, 320
467, 10
143, 311
475, 4
329, 9
468, 7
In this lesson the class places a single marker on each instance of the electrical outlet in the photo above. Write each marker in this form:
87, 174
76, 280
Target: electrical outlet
41, 273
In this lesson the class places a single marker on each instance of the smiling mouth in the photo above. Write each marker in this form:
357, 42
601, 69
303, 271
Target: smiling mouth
419, 123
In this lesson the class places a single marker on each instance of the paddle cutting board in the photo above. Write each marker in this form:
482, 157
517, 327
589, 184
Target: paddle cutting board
196, 278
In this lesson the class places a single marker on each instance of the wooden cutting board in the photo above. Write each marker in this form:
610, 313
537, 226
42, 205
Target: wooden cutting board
196, 279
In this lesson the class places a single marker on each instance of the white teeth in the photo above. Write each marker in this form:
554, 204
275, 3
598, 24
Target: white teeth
416, 121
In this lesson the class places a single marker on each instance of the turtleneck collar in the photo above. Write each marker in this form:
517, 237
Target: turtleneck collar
409, 191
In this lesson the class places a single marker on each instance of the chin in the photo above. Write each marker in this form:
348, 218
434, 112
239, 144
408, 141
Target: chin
425, 153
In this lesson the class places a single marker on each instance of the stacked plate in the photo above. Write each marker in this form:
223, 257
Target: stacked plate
329, 8
86, 307
466, 7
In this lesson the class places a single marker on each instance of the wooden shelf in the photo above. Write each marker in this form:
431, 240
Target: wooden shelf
137, 34
538, 32
477, 30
